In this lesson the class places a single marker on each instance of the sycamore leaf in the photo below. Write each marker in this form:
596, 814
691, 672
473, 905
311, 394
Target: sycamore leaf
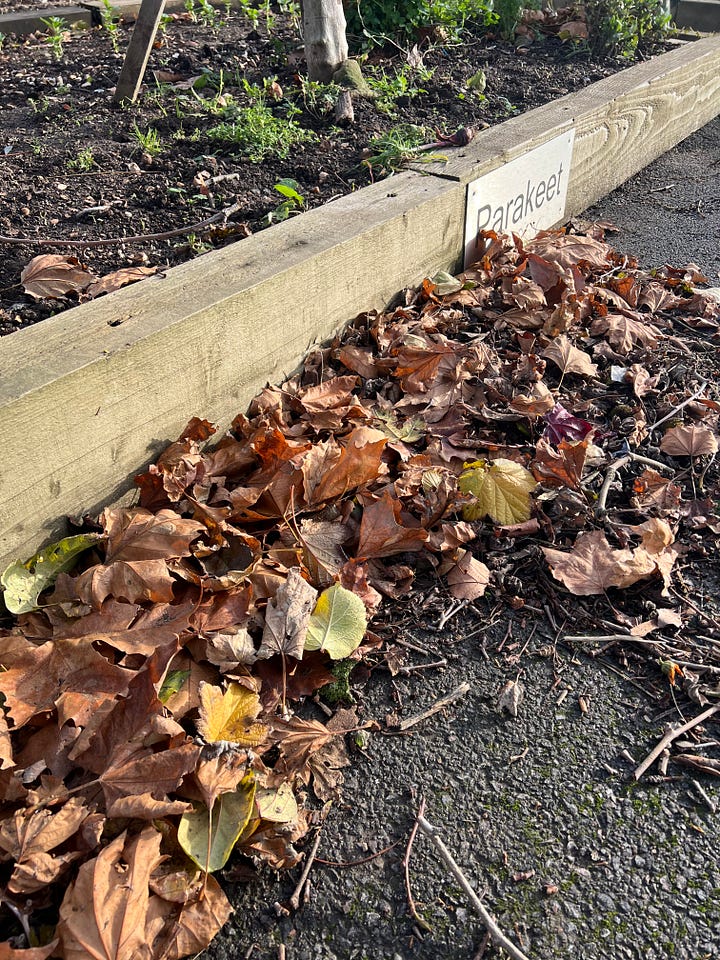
337, 624
593, 566
501, 489
690, 441
105, 911
569, 359
287, 616
230, 715
209, 839
24, 582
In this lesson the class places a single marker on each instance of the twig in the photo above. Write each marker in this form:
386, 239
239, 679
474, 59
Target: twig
704, 796
679, 407
357, 863
706, 617
618, 465
112, 241
498, 937
673, 735
406, 868
450, 613
294, 901
436, 707
605, 489
406, 671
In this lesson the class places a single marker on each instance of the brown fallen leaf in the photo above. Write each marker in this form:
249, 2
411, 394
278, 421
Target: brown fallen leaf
381, 532
117, 279
138, 534
105, 911
689, 441
593, 566
467, 578
51, 276
569, 359
287, 616
34, 676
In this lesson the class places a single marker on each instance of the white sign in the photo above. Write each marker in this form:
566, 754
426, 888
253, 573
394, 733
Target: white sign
523, 196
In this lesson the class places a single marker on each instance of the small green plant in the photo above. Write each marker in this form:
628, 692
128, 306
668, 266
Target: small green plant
508, 16
56, 27
395, 147
39, 107
83, 161
3, 38
107, 16
374, 22
622, 28
388, 88
256, 133
318, 98
294, 201
189, 7
206, 13
148, 140
165, 21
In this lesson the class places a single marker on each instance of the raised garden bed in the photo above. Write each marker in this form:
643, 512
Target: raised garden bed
91, 394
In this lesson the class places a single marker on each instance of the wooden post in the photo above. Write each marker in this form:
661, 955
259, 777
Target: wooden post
138, 51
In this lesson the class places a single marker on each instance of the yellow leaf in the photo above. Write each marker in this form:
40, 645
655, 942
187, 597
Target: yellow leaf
337, 624
208, 839
501, 489
277, 804
230, 715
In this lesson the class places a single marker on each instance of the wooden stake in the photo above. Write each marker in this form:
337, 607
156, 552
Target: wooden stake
138, 51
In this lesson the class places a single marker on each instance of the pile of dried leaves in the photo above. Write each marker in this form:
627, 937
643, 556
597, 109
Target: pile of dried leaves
542, 413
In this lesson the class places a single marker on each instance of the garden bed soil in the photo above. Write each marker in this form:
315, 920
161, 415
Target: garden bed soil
79, 168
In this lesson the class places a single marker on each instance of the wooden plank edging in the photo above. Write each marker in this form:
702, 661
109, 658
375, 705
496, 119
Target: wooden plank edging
89, 396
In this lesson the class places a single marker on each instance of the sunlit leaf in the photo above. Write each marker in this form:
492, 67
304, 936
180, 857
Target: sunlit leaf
209, 840
689, 441
337, 624
24, 582
277, 805
501, 489
230, 715
172, 684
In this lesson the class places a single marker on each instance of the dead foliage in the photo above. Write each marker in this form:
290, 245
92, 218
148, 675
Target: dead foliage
533, 421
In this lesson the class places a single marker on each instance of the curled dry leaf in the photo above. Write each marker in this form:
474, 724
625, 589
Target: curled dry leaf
117, 279
50, 276
690, 441
287, 617
510, 697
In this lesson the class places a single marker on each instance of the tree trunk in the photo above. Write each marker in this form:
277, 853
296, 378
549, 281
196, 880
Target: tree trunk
325, 43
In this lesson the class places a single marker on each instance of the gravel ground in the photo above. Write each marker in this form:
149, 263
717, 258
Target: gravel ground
574, 858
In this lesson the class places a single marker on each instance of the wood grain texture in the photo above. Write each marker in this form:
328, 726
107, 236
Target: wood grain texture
83, 405
89, 396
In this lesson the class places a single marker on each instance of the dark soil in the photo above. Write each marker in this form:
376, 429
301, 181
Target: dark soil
74, 169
